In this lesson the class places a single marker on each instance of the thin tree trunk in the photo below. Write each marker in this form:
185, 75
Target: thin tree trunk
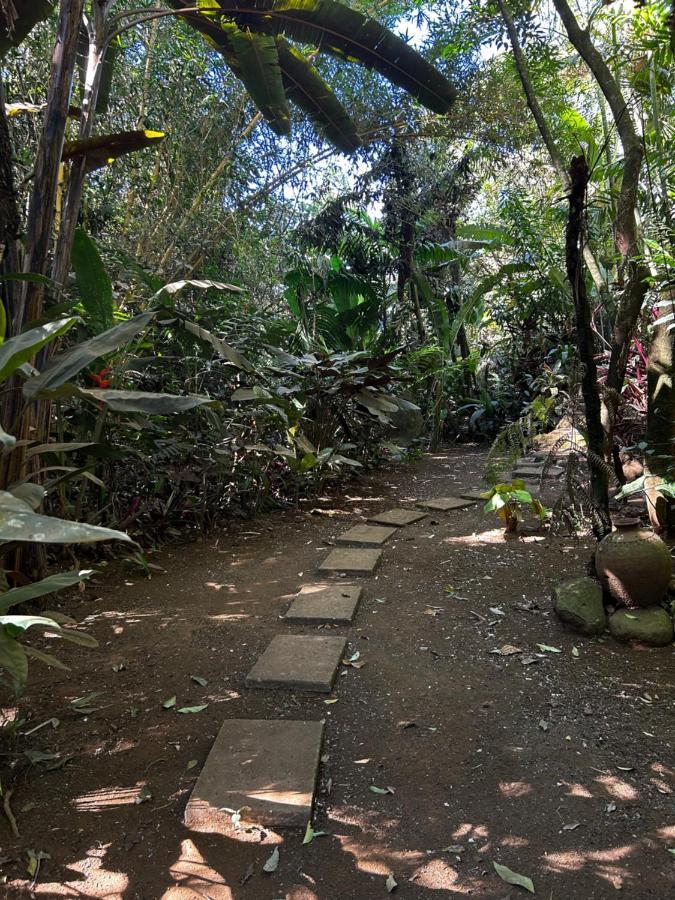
574, 237
96, 33
633, 271
46, 177
533, 105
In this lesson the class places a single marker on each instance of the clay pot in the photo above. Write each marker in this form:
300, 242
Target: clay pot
634, 565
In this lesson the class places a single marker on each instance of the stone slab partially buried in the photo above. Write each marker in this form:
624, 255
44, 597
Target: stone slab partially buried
268, 766
397, 517
333, 605
298, 662
351, 560
366, 535
475, 494
445, 504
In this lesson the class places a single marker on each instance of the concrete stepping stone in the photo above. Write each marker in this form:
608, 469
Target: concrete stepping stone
268, 766
444, 504
352, 561
366, 535
299, 662
334, 605
397, 517
476, 494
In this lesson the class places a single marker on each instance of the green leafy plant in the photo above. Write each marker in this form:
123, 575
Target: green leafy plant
508, 501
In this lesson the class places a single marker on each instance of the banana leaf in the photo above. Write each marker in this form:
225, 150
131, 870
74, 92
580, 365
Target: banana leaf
103, 149
13, 29
258, 67
350, 35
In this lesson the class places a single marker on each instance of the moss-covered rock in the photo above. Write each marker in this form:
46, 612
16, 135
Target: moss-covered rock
579, 604
649, 625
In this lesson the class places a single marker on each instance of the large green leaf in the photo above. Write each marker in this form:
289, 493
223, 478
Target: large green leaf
305, 87
67, 364
351, 35
225, 350
18, 350
13, 29
13, 659
40, 588
258, 68
92, 281
131, 401
18, 522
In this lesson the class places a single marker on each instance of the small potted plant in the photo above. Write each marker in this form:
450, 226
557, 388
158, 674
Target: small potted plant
509, 500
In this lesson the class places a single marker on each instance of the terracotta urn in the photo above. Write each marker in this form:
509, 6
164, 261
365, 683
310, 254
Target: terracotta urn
634, 565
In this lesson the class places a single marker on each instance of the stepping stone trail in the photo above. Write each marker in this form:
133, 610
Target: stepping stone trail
444, 504
366, 535
397, 517
268, 766
351, 561
300, 662
335, 605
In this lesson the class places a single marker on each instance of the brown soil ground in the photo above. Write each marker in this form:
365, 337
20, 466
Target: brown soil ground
557, 765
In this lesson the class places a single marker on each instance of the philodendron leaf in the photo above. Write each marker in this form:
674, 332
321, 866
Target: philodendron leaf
514, 878
40, 588
18, 522
92, 281
65, 365
16, 351
13, 659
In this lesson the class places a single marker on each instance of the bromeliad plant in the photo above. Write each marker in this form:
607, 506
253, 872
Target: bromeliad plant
508, 501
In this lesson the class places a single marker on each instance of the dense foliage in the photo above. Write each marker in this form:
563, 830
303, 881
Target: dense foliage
206, 311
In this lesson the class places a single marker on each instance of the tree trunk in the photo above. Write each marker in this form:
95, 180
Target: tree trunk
633, 273
578, 178
46, 177
537, 113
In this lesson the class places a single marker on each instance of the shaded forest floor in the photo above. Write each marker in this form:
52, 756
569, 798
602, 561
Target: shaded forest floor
558, 765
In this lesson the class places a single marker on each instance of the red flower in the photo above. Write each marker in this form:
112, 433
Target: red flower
99, 378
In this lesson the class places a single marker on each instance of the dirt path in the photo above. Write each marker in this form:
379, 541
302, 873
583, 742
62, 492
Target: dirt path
557, 765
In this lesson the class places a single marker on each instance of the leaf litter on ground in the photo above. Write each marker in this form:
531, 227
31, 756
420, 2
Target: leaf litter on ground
272, 862
511, 877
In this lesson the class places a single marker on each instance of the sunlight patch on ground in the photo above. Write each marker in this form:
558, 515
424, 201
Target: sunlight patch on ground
514, 789
96, 882
229, 617
577, 790
617, 787
195, 878
107, 798
605, 863
467, 830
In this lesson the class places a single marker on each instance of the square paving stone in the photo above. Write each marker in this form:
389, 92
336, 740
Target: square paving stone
268, 766
528, 473
352, 561
444, 504
476, 494
397, 517
300, 662
366, 535
334, 605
